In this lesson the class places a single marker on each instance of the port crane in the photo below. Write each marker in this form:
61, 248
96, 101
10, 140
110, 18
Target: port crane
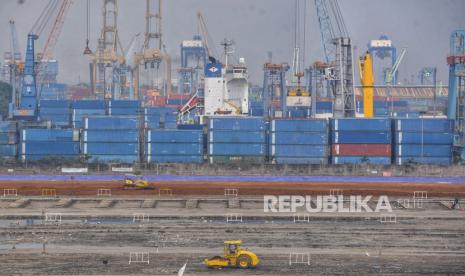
26, 105
337, 46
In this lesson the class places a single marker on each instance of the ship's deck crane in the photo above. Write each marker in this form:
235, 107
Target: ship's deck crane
197, 100
337, 48
391, 76
15, 63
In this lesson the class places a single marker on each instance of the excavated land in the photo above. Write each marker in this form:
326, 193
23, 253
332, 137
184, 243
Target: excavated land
255, 188
95, 235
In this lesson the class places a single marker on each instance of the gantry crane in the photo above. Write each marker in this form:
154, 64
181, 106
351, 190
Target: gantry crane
109, 56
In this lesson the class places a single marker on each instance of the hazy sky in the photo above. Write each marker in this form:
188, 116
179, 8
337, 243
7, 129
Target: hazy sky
257, 26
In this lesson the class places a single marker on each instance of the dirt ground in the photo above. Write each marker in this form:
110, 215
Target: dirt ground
89, 188
336, 246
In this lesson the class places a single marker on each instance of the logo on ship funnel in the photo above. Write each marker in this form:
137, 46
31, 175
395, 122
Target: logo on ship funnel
213, 69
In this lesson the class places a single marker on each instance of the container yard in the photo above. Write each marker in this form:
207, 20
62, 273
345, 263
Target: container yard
277, 137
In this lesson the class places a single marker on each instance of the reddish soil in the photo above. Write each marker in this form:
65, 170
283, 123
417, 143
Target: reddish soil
185, 188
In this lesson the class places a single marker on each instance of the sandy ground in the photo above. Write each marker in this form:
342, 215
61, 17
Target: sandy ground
89, 188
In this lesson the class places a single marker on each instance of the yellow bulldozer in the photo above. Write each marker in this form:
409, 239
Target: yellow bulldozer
134, 182
234, 257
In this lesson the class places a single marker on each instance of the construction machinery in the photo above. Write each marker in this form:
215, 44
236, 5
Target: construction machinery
234, 257
134, 182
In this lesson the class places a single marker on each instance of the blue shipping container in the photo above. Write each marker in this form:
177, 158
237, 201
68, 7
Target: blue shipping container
128, 159
349, 124
236, 149
174, 149
110, 148
54, 104
232, 136
89, 104
300, 125
8, 150
361, 137
300, 160
299, 138
47, 135
48, 148
175, 136
111, 123
424, 138
360, 160
405, 150
110, 136
175, 159
8, 126
445, 161
299, 151
424, 125
236, 123
124, 104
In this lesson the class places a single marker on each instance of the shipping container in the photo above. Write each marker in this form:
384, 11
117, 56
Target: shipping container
375, 160
49, 148
8, 150
233, 136
159, 110
174, 136
424, 125
89, 104
236, 149
8, 138
111, 123
7, 126
358, 124
361, 150
123, 111
49, 111
174, 149
299, 150
48, 135
175, 159
424, 138
361, 137
299, 138
445, 161
99, 148
299, 125
117, 136
406, 150
54, 104
229, 159
38, 157
236, 123
300, 160
191, 127
125, 159
131, 104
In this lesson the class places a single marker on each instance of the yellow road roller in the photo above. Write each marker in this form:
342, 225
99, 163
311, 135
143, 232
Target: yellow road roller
234, 257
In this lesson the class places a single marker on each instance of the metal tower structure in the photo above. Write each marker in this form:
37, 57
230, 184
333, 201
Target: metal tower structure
383, 48
337, 47
427, 76
456, 100
274, 88
108, 57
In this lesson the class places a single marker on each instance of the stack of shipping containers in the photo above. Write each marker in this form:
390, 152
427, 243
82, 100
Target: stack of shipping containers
424, 141
299, 141
356, 141
56, 111
81, 109
236, 139
39, 143
123, 108
8, 139
160, 117
113, 139
174, 146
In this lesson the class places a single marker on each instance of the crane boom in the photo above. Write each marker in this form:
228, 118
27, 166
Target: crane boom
14, 43
392, 72
56, 29
203, 31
